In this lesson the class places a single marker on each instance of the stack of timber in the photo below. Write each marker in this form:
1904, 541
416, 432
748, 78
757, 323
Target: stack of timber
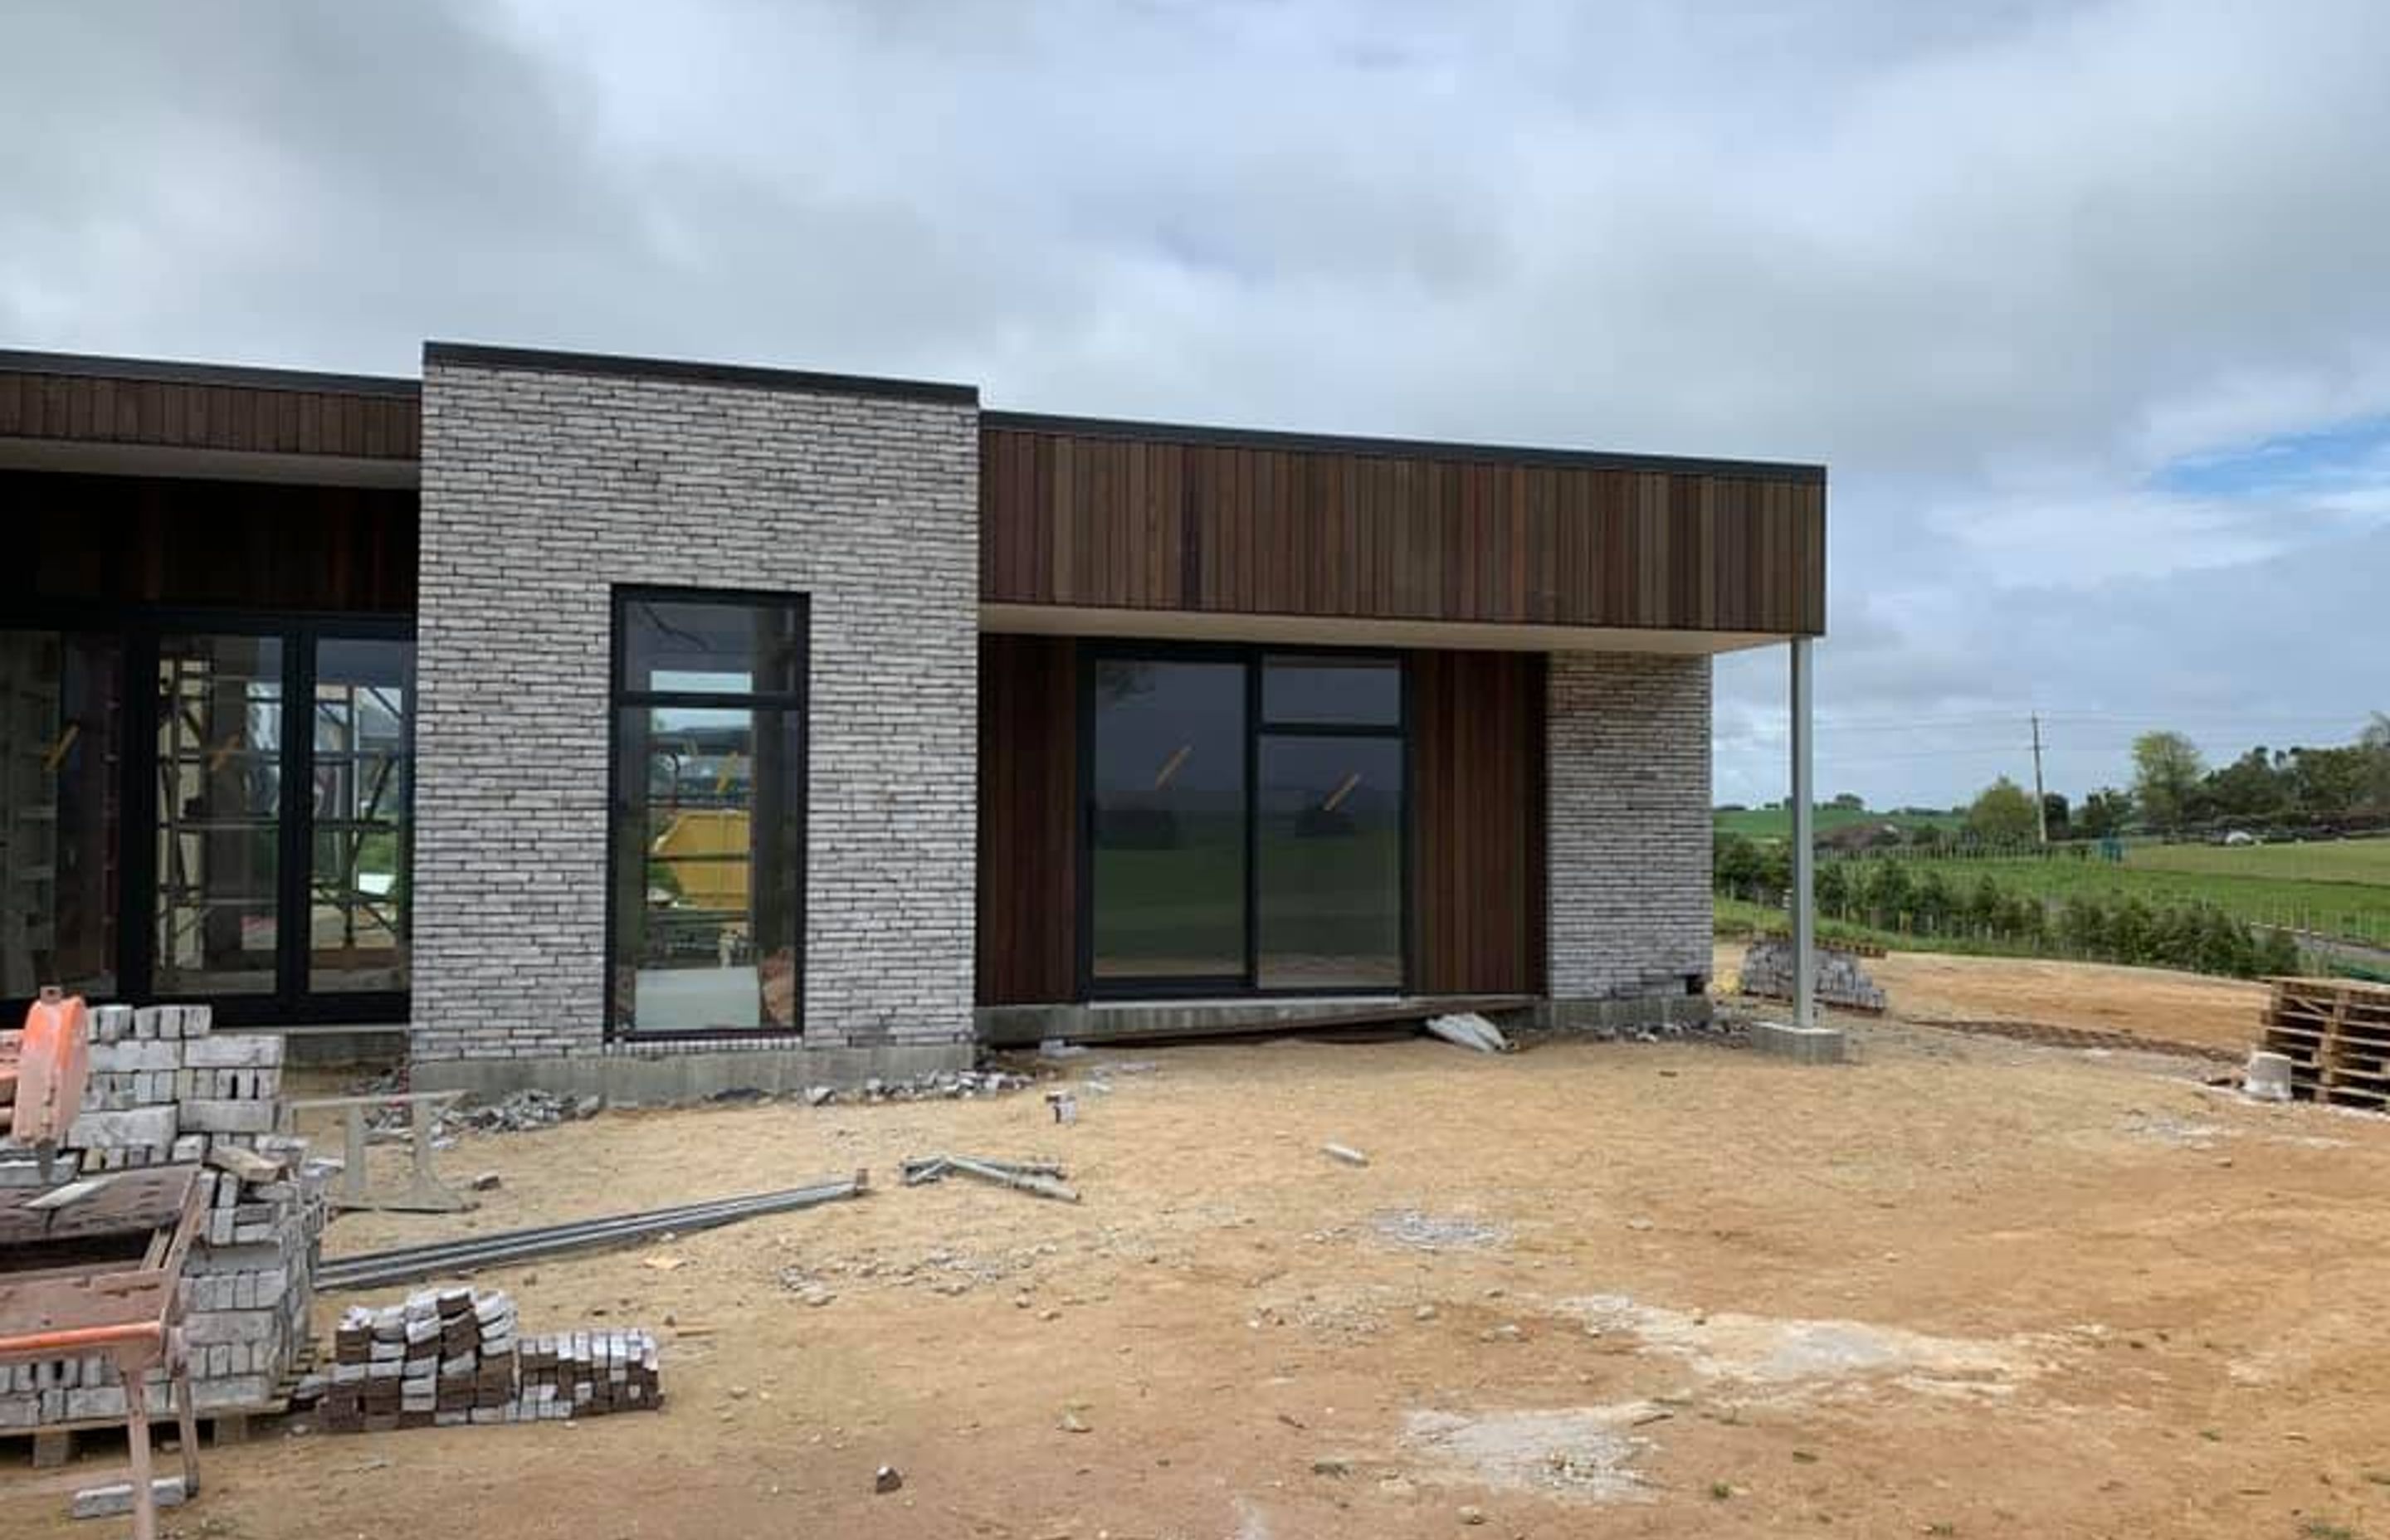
2336, 1034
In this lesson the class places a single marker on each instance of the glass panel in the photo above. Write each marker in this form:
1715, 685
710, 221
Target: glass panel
701, 646
219, 812
1361, 692
708, 863
1330, 886
60, 745
364, 793
1169, 855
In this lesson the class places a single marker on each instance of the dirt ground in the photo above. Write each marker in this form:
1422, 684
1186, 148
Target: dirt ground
1962, 1287
2150, 1002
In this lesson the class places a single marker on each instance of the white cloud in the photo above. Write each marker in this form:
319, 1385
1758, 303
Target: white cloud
1999, 265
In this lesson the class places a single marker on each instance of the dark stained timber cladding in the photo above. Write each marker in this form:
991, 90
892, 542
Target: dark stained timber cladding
1028, 820
255, 544
1477, 871
233, 411
1271, 526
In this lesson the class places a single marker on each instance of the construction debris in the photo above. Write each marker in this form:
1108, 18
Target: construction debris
407, 1265
1469, 1030
115, 1498
446, 1358
1345, 1153
1040, 1177
2269, 1076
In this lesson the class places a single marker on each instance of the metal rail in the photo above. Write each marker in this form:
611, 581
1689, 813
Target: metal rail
410, 1264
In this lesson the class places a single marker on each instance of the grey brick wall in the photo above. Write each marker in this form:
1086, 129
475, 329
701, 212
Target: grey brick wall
541, 491
1628, 778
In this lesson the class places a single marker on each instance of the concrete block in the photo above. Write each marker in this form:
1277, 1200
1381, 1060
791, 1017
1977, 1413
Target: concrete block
2269, 1077
1801, 1044
116, 1497
126, 1058
228, 1117
237, 1050
235, 1326
140, 1127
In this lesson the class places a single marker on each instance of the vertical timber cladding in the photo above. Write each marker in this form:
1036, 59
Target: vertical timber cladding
1477, 871
548, 480
1028, 820
1137, 517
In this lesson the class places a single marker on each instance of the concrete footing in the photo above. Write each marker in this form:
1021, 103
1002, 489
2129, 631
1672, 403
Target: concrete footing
1801, 1044
667, 1079
1622, 1016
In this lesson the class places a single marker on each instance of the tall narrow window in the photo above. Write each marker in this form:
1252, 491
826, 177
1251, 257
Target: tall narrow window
1329, 832
62, 742
1169, 839
219, 815
363, 792
708, 813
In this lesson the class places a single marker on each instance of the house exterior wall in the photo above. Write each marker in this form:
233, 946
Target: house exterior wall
1628, 772
544, 488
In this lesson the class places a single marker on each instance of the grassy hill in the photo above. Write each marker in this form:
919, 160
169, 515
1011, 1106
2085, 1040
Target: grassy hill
2339, 888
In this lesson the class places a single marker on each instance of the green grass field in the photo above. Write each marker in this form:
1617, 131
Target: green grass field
1776, 823
2340, 889
2366, 862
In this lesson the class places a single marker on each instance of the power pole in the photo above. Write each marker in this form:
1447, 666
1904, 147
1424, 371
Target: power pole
2040, 807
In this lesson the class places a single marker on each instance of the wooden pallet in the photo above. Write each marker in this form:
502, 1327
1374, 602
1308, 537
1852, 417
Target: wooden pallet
2336, 1034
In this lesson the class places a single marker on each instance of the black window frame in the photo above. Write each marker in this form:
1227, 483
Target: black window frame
620, 697
1254, 658
138, 629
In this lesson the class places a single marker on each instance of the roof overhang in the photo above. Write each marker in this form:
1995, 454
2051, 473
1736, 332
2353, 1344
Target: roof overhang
1176, 625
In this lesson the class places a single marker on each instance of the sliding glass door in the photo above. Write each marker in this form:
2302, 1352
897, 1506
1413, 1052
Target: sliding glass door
209, 807
1245, 823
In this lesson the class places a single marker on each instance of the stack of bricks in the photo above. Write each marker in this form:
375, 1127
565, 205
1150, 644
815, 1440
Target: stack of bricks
452, 1356
163, 1087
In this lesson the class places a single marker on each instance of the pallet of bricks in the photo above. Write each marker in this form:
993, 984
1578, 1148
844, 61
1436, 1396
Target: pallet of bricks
453, 1356
2336, 1034
163, 1087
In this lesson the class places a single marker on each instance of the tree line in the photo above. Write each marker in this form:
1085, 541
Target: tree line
1892, 896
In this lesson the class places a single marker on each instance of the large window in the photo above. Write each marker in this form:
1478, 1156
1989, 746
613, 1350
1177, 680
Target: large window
708, 910
208, 806
1245, 823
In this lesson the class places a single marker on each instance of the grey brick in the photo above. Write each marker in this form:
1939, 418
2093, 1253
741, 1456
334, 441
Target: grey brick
543, 491
1628, 773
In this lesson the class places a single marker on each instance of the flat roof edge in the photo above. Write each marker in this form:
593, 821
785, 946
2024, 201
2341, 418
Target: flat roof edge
1263, 438
168, 371
691, 372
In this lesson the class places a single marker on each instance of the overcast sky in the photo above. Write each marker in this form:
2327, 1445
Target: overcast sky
2086, 306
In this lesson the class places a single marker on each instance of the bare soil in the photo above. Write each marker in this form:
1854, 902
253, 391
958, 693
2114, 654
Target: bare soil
1962, 1287
2147, 1002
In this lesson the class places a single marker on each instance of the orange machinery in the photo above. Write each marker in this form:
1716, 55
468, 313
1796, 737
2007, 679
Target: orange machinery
42, 1070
